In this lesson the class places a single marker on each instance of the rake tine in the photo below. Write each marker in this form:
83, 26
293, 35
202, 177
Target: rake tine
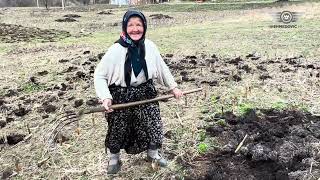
64, 115
58, 129
60, 121
64, 118
65, 121
60, 117
70, 116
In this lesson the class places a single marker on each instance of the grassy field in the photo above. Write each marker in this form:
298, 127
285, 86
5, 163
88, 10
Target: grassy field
221, 6
227, 31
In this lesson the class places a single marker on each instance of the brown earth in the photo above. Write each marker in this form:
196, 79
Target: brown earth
280, 144
10, 33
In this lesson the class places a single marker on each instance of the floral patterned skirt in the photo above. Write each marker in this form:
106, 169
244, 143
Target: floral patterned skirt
134, 128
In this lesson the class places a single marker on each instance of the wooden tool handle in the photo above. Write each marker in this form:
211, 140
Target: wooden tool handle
130, 104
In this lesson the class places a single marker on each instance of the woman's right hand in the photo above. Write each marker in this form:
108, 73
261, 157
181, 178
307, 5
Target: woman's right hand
106, 104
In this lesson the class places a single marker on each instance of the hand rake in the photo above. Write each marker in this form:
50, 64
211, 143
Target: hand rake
69, 117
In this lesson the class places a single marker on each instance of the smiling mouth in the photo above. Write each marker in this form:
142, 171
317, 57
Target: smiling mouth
136, 36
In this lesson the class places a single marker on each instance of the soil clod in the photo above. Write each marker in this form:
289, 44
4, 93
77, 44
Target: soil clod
78, 103
13, 139
2, 123
72, 16
42, 73
93, 102
105, 12
11, 92
21, 111
160, 16
265, 76
49, 108
68, 19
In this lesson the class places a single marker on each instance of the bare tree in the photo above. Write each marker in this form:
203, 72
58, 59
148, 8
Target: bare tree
85, 2
62, 4
38, 4
45, 2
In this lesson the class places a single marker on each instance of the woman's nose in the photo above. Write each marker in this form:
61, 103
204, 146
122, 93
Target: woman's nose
136, 28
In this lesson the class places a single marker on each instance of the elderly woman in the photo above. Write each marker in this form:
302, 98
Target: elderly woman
125, 74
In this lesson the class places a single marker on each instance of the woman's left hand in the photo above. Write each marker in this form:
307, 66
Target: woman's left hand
177, 93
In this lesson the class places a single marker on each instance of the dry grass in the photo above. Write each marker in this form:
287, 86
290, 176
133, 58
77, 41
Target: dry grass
225, 33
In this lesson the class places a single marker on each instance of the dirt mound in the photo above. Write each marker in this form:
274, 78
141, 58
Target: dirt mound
72, 16
105, 12
280, 145
212, 71
67, 19
48, 98
160, 16
10, 33
12, 139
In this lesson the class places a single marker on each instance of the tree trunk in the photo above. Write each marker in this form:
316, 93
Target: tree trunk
62, 4
38, 4
45, 2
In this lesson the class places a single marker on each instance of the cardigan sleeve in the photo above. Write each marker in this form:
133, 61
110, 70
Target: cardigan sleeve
165, 76
101, 74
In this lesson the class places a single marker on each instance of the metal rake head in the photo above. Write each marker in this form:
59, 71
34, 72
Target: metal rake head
62, 120
67, 115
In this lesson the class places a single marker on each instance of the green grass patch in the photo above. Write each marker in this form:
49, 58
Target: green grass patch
208, 145
191, 7
302, 107
31, 87
105, 39
245, 108
4, 48
205, 110
232, 37
223, 37
202, 135
202, 148
222, 122
208, 117
214, 99
283, 105
280, 105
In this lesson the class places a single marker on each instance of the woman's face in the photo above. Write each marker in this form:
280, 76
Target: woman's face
135, 28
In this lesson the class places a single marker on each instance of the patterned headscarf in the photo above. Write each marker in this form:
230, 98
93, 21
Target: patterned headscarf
135, 57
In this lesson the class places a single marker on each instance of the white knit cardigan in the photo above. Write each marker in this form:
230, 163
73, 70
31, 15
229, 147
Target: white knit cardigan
110, 70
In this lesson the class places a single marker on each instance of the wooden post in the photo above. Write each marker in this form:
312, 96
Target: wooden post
62, 4
46, 4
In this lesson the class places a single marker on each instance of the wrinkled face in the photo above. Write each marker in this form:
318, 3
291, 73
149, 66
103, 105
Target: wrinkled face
135, 28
